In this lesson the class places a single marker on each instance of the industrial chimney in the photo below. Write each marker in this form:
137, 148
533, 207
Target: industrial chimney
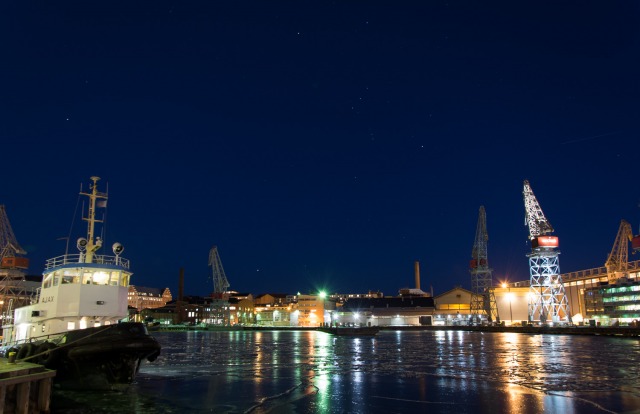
416, 267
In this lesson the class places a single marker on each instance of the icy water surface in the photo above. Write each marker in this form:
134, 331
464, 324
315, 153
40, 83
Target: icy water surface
394, 372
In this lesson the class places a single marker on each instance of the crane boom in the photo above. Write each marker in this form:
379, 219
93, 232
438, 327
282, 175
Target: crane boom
618, 259
8, 243
534, 218
220, 282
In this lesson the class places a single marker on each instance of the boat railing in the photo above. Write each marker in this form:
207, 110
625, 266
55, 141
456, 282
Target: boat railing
80, 258
55, 338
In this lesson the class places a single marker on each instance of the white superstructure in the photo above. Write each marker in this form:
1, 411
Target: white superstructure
79, 290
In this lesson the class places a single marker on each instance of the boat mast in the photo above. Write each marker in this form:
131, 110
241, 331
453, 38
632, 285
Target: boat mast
92, 245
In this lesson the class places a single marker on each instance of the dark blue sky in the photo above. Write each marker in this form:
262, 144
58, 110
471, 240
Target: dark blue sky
321, 144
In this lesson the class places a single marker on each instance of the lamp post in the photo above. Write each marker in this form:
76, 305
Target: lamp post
323, 295
510, 297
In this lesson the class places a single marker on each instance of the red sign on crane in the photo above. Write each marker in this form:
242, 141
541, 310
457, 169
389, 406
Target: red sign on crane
544, 241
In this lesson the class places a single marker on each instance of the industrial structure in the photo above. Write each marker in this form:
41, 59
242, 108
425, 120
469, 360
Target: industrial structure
220, 282
547, 300
14, 291
483, 300
618, 259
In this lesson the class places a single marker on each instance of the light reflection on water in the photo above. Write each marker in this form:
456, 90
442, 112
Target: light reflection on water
396, 371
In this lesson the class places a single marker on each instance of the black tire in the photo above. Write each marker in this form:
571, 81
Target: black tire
26, 351
47, 354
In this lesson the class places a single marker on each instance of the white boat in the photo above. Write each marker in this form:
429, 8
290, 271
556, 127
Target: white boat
75, 323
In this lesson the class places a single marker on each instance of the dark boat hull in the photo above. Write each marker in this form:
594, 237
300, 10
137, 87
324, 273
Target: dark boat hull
351, 331
106, 357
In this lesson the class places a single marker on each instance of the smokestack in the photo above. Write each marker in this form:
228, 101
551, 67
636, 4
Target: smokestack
181, 285
416, 266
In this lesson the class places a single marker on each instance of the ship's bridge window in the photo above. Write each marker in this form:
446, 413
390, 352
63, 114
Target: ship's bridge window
114, 278
101, 278
47, 281
86, 278
124, 280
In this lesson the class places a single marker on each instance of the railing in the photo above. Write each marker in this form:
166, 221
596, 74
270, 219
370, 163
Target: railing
80, 259
598, 272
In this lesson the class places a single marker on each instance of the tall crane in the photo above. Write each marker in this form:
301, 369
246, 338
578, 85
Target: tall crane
9, 246
547, 299
483, 300
12, 287
220, 282
618, 259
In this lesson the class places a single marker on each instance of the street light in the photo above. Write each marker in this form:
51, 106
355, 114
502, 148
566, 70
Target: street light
510, 297
323, 295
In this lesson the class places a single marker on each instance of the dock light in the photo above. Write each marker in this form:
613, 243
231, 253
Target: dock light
356, 315
504, 285
322, 294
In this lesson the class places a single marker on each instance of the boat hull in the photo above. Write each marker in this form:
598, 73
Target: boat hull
351, 331
106, 357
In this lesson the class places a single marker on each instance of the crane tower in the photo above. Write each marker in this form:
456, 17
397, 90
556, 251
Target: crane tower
12, 267
9, 246
483, 300
618, 259
220, 282
547, 299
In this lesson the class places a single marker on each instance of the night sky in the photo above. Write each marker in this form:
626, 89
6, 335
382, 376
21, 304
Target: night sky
321, 145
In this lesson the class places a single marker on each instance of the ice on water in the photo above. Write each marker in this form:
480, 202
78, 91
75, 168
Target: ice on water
395, 371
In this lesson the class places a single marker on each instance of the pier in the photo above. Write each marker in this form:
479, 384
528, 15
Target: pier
24, 387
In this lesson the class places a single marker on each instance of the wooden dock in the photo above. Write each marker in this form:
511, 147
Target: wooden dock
25, 388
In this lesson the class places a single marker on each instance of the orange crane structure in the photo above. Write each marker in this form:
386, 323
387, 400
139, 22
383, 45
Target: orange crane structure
617, 263
483, 299
12, 266
547, 299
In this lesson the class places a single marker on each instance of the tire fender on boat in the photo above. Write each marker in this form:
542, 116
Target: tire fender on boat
26, 351
48, 355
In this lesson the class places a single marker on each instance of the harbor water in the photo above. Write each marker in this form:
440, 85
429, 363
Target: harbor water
393, 372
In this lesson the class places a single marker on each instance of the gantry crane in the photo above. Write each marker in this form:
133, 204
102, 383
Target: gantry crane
220, 282
483, 300
618, 260
12, 264
547, 299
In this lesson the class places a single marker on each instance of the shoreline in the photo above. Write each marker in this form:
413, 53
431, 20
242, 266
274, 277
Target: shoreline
627, 332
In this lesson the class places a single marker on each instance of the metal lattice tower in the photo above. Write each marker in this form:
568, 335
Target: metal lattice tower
547, 299
220, 282
618, 259
9, 246
12, 289
483, 300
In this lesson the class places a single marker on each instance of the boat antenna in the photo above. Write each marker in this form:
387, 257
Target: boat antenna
73, 220
103, 204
